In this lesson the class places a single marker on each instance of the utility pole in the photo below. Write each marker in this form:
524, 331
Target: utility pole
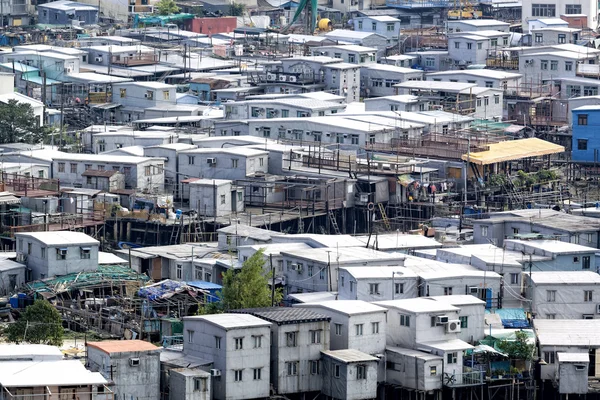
272, 281
62, 112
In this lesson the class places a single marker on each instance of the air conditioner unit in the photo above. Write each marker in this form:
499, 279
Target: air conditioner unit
211, 161
271, 77
22, 258
441, 319
134, 362
328, 134
292, 78
215, 372
146, 95
473, 290
308, 133
289, 131
597, 306
98, 59
68, 70
345, 135
453, 326
294, 266
283, 78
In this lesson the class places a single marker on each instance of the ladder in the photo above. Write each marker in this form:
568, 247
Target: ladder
300, 224
384, 217
333, 221
175, 233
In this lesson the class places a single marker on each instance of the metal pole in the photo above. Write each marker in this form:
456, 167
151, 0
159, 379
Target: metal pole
272, 281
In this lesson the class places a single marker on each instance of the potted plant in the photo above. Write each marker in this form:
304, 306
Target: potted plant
500, 373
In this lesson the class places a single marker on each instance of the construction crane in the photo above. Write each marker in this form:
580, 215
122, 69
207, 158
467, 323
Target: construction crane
311, 17
463, 9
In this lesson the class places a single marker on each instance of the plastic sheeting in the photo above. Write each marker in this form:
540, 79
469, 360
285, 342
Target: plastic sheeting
513, 317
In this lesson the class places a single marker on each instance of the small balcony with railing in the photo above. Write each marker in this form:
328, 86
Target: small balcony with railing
134, 59
502, 59
468, 377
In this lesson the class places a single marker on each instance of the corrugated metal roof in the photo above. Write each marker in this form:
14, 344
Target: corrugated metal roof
568, 332
513, 150
285, 315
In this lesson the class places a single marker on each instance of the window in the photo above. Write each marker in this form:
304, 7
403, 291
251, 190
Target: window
588, 316
568, 65
315, 367
469, 46
452, 358
61, 254
433, 370
544, 64
43, 253
310, 270
123, 93
190, 335
239, 343
336, 370
484, 231
373, 288
479, 102
573, 91
374, 26
322, 274
549, 357
505, 41
315, 336
539, 38
361, 372
430, 62
238, 375
550, 316
360, 25
496, 99
351, 58
257, 341
390, 27
404, 320
457, 45
448, 291
582, 144
582, 119
359, 329
292, 367
479, 46
261, 161
338, 329
85, 253
166, 94
543, 10
562, 38
554, 65
550, 296
234, 163
514, 278
585, 262
587, 295
73, 168
486, 101
257, 373
149, 95
40, 173
494, 42
489, 84
399, 288
28, 248
222, 199
464, 322
573, 9
240, 197
179, 271
217, 342
374, 327
191, 160
291, 339
61, 167
200, 385
590, 90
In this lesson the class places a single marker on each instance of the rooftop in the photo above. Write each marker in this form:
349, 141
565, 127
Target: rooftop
68, 5
447, 345
25, 352
567, 332
230, 321
123, 346
380, 272
413, 353
349, 355
346, 255
480, 22
458, 300
59, 237
285, 315
418, 305
394, 241
549, 246
347, 307
565, 277
47, 373
234, 151
436, 86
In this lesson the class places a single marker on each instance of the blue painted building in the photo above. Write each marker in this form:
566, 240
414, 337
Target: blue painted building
586, 134
64, 12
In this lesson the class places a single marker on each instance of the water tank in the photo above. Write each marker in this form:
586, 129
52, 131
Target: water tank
324, 24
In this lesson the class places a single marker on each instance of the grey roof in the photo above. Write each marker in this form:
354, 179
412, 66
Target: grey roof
59, 238
413, 353
568, 332
347, 307
285, 315
418, 305
247, 231
547, 218
230, 321
349, 355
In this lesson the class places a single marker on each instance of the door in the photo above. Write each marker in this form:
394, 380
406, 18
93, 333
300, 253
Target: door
593, 358
234, 201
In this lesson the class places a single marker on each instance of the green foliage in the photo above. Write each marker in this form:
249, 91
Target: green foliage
39, 324
248, 288
166, 7
524, 179
497, 180
19, 124
236, 9
519, 348
546, 175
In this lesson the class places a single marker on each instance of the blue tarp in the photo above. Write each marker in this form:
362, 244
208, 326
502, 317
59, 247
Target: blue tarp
514, 318
161, 289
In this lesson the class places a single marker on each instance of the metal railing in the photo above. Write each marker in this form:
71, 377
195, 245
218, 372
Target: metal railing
470, 378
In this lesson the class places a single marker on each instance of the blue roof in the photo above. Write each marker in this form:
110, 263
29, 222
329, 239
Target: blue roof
19, 67
39, 81
205, 285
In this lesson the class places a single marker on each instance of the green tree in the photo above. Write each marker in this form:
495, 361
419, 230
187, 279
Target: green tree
40, 323
249, 287
520, 348
236, 9
166, 7
19, 124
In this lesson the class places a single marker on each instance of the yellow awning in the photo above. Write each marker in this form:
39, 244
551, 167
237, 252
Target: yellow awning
513, 150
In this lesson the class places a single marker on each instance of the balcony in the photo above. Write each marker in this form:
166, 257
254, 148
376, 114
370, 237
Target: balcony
467, 378
417, 3
502, 63
135, 60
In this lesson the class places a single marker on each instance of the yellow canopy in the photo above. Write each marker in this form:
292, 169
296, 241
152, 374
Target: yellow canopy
513, 150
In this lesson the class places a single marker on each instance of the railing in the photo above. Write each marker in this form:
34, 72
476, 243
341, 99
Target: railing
137, 59
499, 62
22, 184
99, 97
470, 378
107, 394
173, 342
416, 3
